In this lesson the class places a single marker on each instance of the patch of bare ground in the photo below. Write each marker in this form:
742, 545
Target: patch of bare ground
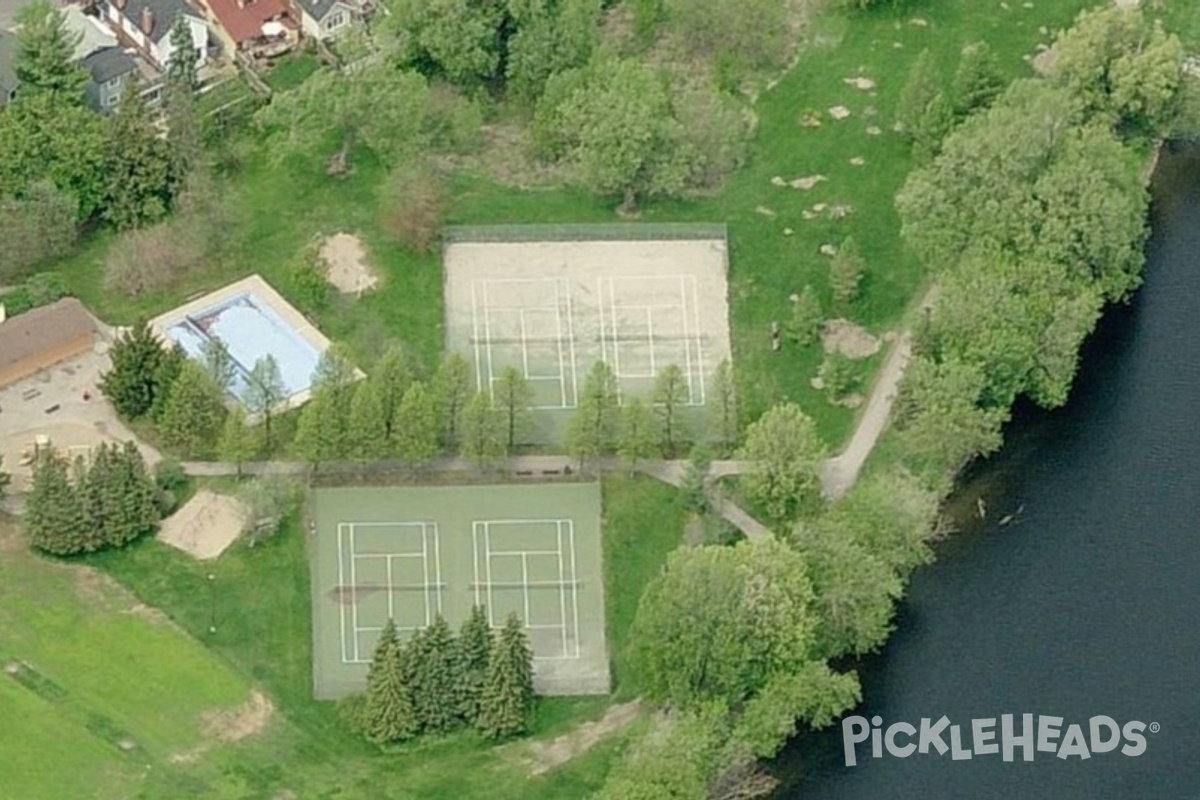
346, 264
506, 156
230, 725
850, 340
11, 539
541, 757
205, 526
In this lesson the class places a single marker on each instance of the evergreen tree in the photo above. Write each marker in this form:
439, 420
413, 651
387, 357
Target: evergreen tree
507, 706
181, 69
845, 273
417, 433
933, 127
133, 382
135, 513
366, 433
807, 315
239, 442
592, 428
165, 374
218, 361
54, 516
45, 59
482, 430
453, 386
722, 407
639, 432
388, 713
919, 89
194, 411
264, 391
98, 496
977, 81
670, 395
139, 165
473, 651
512, 394
334, 368
435, 677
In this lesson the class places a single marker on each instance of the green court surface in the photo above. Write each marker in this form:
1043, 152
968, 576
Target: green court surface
411, 553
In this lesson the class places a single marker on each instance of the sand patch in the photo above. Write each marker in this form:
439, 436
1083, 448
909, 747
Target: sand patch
852, 341
544, 756
346, 262
1043, 62
860, 83
230, 725
807, 182
839, 112
205, 526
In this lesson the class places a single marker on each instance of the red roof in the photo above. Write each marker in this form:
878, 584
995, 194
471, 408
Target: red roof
244, 24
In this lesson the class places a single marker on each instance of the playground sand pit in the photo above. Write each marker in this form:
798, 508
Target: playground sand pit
205, 526
346, 264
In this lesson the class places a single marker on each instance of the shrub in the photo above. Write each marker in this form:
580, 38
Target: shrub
412, 207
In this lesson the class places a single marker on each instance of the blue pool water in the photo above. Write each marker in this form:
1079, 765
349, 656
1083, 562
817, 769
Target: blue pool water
251, 330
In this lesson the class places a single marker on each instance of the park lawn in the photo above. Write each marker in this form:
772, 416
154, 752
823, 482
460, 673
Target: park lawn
291, 71
643, 522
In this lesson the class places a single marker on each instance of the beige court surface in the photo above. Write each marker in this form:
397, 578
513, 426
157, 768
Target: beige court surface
50, 404
205, 526
553, 308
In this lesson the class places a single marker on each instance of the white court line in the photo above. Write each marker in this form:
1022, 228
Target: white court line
342, 583
524, 345
510, 521
525, 552
391, 591
571, 346
475, 338
562, 590
437, 563
525, 584
487, 544
558, 329
687, 343
650, 336
424, 570
389, 555
354, 605
574, 590
600, 307
699, 344
475, 562
487, 331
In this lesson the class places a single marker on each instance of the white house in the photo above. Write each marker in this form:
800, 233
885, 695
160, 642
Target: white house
146, 25
325, 19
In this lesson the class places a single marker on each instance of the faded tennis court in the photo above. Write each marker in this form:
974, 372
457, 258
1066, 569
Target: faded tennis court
553, 300
254, 321
409, 554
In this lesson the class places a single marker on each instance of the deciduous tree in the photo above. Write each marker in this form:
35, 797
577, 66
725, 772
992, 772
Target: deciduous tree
549, 38
722, 407
37, 227
638, 432
513, 396
194, 411
452, 383
806, 316
238, 442
977, 81
265, 391
366, 430
786, 454
483, 430
592, 428
416, 438
460, 40
671, 394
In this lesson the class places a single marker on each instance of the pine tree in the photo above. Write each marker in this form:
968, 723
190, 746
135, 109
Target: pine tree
639, 432
977, 81
181, 69
133, 382
139, 165
670, 395
453, 386
806, 318
845, 272
45, 59
417, 420
135, 512
321, 433
507, 707
239, 442
168, 369
435, 683
366, 432
194, 411
919, 89
97, 495
513, 396
474, 652
933, 127
54, 515
388, 713
482, 431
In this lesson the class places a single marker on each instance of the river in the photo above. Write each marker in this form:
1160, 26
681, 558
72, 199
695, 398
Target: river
1089, 602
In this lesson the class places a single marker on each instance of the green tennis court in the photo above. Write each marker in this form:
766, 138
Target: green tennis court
411, 553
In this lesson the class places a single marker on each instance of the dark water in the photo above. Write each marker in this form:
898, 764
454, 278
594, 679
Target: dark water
1090, 604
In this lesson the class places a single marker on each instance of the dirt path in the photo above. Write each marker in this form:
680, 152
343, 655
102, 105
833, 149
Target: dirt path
841, 471
542, 757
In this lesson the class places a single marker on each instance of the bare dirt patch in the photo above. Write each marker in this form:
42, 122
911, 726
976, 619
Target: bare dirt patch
230, 725
1043, 62
852, 341
544, 756
345, 258
205, 526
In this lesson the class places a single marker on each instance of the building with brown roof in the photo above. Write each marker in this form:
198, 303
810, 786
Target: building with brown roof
43, 337
261, 28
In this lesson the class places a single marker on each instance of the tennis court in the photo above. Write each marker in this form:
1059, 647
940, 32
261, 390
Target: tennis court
409, 554
552, 308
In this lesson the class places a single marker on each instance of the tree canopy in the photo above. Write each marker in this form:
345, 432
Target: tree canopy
786, 454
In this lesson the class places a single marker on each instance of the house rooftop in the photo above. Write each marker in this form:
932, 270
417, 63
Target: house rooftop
108, 63
163, 14
317, 9
243, 19
42, 329
92, 34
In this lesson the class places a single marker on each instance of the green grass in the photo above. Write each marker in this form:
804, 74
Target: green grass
292, 71
643, 522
